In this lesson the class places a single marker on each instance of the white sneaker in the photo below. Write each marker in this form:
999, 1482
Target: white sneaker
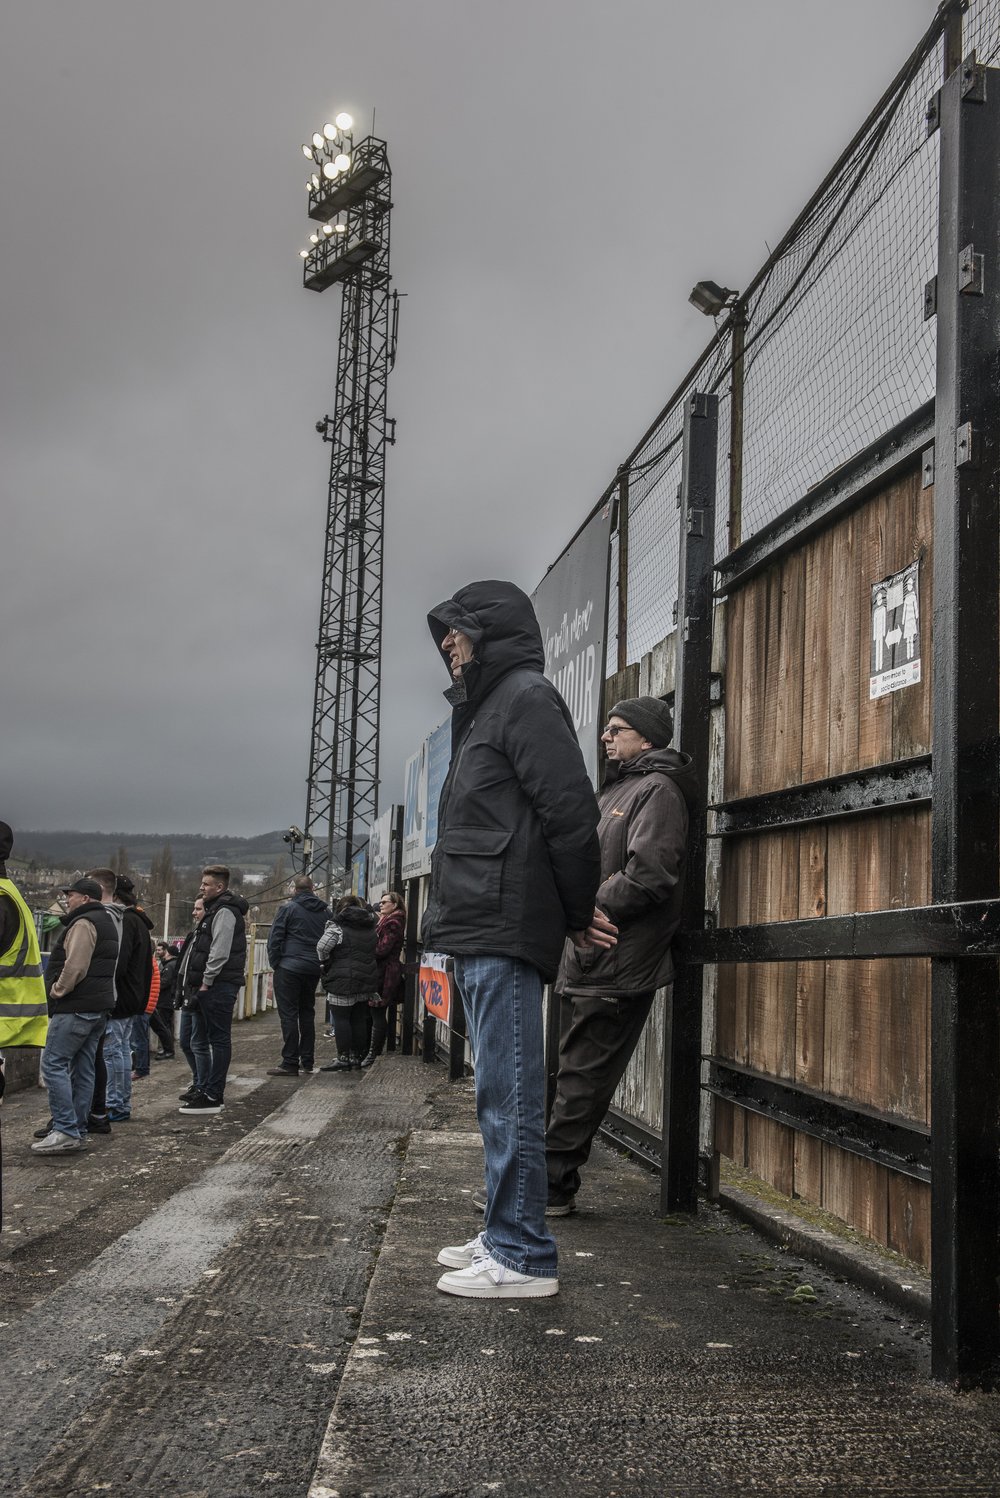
461, 1258
58, 1143
485, 1279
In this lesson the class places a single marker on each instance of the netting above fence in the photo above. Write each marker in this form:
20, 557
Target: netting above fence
837, 348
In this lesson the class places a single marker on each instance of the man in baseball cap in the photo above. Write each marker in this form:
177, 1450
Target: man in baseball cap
80, 983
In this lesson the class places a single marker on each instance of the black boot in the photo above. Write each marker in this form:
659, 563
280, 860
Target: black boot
342, 1063
368, 1061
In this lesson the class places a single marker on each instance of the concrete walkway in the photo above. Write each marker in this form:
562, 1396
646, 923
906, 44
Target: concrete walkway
194, 1341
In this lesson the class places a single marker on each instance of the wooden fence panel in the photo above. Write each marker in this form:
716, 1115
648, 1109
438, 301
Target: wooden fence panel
798, 709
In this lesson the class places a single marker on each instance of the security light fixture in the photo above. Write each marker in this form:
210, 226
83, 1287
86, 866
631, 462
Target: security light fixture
711, 298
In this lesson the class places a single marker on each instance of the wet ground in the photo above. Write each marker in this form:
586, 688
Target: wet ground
246, 1304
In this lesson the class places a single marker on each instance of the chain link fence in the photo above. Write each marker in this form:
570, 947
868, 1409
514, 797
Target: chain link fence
837, 350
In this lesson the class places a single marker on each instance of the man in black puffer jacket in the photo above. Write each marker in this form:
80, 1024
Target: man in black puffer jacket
516, 866
291, 949
606, 996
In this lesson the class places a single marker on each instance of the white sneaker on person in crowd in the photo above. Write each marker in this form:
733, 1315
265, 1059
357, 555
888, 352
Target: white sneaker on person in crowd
485, 1279
58, 1143
461, 1258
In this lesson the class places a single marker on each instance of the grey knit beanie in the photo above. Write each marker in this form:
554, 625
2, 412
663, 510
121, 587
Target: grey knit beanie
649, 716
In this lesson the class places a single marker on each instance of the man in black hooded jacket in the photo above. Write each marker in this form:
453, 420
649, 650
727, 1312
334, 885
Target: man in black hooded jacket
516, 865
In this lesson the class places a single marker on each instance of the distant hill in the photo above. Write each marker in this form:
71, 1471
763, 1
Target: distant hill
82, 850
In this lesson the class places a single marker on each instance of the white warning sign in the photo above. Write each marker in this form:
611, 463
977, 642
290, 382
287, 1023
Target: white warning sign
895, 632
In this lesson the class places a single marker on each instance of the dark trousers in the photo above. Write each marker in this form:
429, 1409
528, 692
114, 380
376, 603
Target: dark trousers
99, 1102
212, 1025
161, 1022
596, 1041
350, 1026
295, 996
380, 1028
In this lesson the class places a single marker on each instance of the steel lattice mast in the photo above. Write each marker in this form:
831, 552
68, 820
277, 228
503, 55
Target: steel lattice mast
349, 199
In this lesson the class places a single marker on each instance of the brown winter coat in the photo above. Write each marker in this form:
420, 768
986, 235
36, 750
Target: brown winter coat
643, 836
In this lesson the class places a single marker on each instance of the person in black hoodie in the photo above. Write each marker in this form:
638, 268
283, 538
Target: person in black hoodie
606, 996
346, 951
291, 950
133, 975
215, 973
516, 865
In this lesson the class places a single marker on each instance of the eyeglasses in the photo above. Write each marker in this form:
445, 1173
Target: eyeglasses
614, 729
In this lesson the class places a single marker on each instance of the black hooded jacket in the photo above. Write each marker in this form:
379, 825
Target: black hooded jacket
645, 806
134, 972
517, 861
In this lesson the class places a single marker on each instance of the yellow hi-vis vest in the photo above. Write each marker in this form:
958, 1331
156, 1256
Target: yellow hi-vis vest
23, 1010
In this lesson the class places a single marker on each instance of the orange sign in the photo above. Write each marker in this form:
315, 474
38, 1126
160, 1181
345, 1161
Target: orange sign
435, 986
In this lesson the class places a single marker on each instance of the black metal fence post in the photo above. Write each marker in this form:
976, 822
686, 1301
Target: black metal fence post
692, 715
411, 952
965, 1013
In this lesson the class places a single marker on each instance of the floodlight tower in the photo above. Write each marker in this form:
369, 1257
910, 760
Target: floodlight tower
349, 202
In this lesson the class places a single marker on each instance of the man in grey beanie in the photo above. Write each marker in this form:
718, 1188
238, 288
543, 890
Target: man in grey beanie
606, 993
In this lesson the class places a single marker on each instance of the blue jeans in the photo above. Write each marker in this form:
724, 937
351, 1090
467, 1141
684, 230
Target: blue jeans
118, 1060
140, 1043
213, 1028
68, 1069
503, 1010
198, 1055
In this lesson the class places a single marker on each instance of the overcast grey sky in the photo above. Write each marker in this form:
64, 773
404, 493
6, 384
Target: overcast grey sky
563, 172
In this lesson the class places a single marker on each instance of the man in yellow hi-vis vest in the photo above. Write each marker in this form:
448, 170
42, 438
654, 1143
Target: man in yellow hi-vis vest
23, 1010
23, 1007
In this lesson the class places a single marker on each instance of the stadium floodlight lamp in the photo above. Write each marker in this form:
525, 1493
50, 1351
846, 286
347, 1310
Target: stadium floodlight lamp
342, 163
327, 228
331, 170
340, 228
314, 239
307, 152
711, 298
330, 131
314, 179
344, 121
304, 254
318, 141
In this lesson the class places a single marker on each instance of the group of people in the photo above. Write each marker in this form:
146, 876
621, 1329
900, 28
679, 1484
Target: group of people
91, 1009
533, 879
356, 957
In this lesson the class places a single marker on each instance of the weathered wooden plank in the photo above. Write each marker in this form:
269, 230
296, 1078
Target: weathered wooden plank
839, 1031
816, 660
808, 1169
874, 870
767, 684
878, 526
909, 1225
845, 588
789, 687
752, 669
771, 1152
736, 685
911, 707
810, 977
906, 1043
